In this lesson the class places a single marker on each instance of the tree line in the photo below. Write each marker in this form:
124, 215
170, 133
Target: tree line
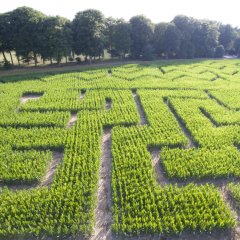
30, 34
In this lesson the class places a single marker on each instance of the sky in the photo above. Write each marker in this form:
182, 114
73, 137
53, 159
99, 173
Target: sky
225, 11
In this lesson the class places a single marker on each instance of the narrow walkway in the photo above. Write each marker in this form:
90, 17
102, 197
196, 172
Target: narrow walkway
48, 178
108, 104
214, 98
57, 157
186, 132
143, 119
209, 117
156, 162
29, 97
103, 214
83, 93
72, 120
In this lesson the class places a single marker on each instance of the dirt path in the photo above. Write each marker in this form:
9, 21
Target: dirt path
209, 117
48, 178
156, 159
103, 214
188, 235
221, 184
235, 234
162, 179
187, 134
143, 119
29, 97
108, 104
72, 120
82, 95
214, 98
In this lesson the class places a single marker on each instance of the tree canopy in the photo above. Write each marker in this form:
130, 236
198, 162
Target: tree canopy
88, 29
31, 34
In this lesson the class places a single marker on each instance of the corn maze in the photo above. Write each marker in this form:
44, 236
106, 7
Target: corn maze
147, 151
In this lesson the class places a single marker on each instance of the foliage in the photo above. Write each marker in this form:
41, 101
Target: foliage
31, 35
220, 51
56, 41
227, 36
205, 37
121, 39
88, 29
141, 35
237, 46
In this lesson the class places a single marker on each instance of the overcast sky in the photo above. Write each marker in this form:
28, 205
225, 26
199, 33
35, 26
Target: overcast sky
225, 11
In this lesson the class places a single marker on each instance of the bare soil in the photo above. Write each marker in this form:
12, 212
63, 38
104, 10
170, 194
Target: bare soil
103, 214
162, 178
108, 104
29, 97
48, 178
156, 159
82, 95
187, 134
221, 184
72, 120
143, 119
235, 234
187, 235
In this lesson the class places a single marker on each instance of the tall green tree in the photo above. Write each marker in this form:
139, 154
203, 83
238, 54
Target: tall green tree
159, 38
205, 38
88, 33
141, 35
237, 46
166, 39
26, 30
6, 36
109, 30
227, 36
185, 26
172, 39
56, 38
121, 40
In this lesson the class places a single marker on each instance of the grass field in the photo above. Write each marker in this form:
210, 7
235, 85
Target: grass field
139, 152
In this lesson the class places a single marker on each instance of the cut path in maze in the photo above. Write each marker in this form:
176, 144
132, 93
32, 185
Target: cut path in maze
103, 211
28, 97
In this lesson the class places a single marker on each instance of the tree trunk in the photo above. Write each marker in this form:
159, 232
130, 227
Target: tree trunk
90, 59
18, 60
11, 57
51, 61
66, 59
35, 58
4, 56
